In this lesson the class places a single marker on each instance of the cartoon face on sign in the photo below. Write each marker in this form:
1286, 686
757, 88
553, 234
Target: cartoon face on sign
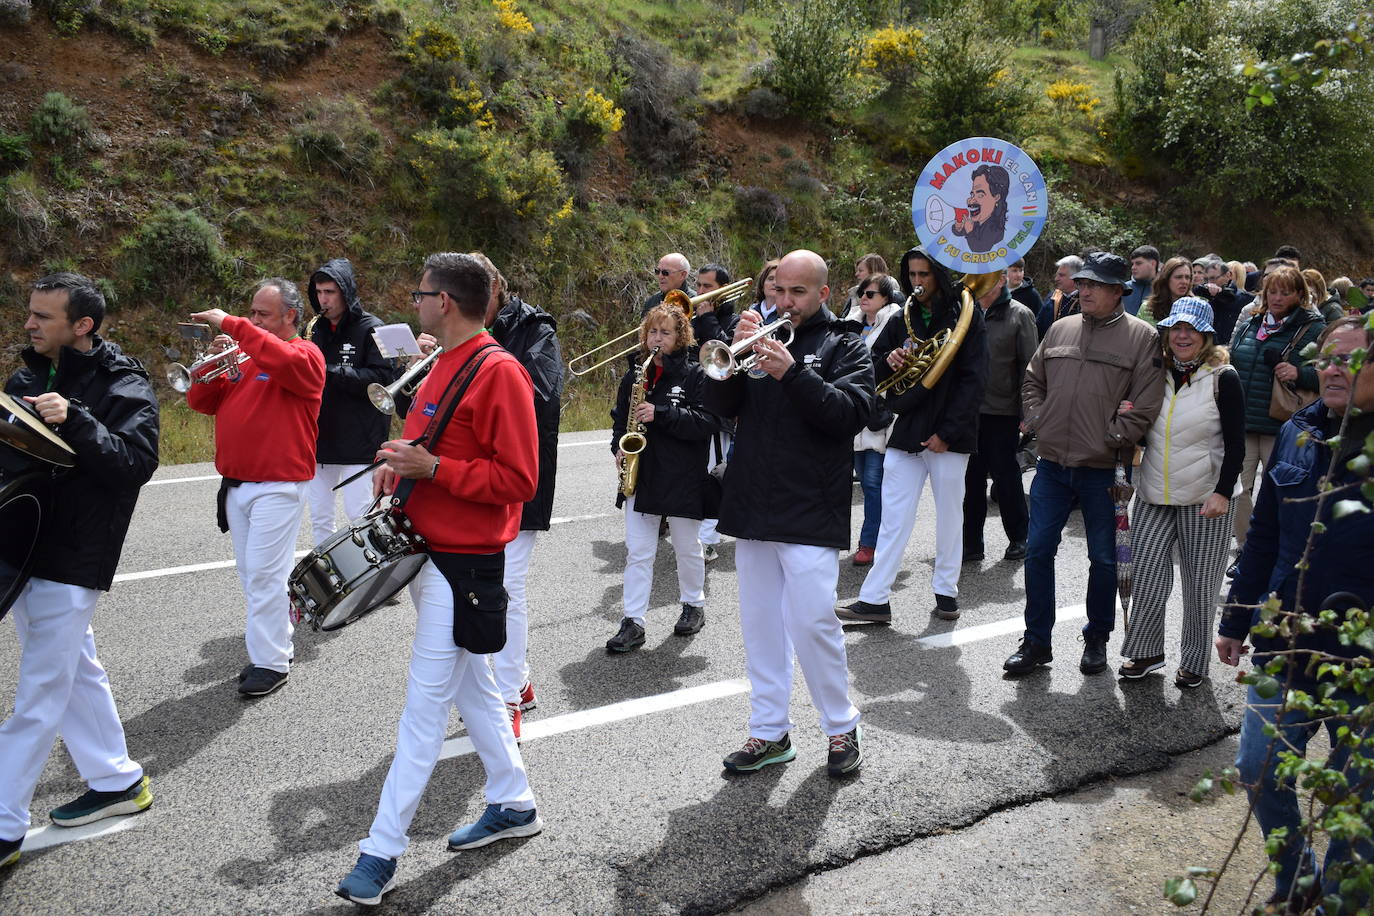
979, 205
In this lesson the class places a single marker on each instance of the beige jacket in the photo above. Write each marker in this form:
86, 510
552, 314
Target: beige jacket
1082, 370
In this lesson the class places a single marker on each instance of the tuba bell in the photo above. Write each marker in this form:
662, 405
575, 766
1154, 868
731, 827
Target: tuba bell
927, 360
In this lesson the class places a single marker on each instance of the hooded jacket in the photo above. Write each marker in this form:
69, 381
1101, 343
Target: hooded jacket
112, 425
1279, 529
951, 408
530, 334
672, 479
790, 477
351, 429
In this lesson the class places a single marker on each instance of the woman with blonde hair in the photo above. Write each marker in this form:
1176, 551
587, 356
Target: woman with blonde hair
1322, 301
672, 480
1266, 347
1184, 488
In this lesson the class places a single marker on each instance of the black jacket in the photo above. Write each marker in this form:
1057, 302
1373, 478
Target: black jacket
112, 425
351, 429
790, 478
1226, 306
531, 336
1027, 296
715, 325
672, 476
950, 408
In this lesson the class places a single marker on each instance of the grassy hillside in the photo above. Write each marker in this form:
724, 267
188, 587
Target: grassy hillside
200, 145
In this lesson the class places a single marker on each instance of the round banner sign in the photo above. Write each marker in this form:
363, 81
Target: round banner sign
979, 205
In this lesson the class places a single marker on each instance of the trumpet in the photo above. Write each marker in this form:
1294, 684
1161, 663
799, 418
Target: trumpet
720, 360
206, 369
383, 397
727, 293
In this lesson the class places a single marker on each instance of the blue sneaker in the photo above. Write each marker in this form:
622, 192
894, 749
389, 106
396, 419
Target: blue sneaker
496, 824
372, 877
93, 805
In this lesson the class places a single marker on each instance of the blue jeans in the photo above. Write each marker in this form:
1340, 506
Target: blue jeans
1051, 500
1276, 805
868, 466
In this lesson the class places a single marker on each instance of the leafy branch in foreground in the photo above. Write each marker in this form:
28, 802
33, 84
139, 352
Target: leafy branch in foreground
1310, 69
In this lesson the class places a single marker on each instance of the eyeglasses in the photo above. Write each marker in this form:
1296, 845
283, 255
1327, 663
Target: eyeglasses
871, 293
665, 273
418, 294
1339, 360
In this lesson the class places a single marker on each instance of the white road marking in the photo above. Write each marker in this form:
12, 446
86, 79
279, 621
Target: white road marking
153, 483
643, 706
43, 837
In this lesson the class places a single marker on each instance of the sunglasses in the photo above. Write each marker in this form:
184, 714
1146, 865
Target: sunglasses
871, 293
666, 273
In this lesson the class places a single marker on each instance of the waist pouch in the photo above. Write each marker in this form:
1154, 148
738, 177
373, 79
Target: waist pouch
479, 598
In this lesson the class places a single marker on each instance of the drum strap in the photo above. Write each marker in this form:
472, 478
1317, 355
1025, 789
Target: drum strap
457, 387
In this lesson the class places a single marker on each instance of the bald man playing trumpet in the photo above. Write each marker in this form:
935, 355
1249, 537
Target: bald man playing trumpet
787, 501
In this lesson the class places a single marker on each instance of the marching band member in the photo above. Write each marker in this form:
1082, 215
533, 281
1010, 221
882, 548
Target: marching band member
463, 490
672, 478
786, 500
103, 407
274, 397
935, 432
713, 321
350, 427
531, 336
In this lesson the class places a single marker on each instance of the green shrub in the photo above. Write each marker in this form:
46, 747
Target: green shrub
579, 129
660, 101
488, 191
30, 228
171, 253
14, 152
338, 134
967, 88
1182, 107
436, 61
816, 52
62, 124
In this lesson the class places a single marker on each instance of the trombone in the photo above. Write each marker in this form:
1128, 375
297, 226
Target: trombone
727, 293
720, 360
383, 397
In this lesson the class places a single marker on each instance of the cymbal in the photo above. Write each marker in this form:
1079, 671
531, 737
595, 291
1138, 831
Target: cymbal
22, 429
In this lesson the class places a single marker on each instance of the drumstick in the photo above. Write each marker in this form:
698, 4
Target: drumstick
418, 440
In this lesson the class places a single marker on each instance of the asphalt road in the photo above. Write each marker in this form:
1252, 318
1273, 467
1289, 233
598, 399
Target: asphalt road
260, 804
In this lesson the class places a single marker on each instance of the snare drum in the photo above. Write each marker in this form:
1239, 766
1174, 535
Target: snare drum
355, 570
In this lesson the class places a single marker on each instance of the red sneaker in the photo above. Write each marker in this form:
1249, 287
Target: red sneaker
513, 709
527, 701
863, 556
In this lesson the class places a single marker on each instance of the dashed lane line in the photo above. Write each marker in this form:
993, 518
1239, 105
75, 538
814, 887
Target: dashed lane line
44, 837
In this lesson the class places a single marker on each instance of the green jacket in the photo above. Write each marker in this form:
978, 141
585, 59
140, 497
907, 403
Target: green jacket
1257, 376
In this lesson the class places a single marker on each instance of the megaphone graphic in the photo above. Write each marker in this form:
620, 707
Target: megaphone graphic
940, 213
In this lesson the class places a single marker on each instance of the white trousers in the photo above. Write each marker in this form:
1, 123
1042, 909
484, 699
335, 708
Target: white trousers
264, 519
641, 546
62, 690
511, 665
357, 496
904, 477
708, 534
786, 611
443, 676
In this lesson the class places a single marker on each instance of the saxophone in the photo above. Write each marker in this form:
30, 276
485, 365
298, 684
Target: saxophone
634, 440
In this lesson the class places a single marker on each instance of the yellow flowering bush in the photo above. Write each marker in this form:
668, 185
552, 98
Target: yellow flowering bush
469, 106
895, 54
432, 41
512, 18
1068, 96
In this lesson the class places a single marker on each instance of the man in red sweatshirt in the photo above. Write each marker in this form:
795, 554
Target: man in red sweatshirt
265, 429
463, 490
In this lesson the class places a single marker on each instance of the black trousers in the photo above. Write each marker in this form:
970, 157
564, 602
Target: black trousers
998, 437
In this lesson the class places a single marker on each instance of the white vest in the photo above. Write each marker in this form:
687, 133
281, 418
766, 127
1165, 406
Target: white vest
1183, 448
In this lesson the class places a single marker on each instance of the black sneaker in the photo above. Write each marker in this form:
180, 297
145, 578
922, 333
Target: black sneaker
691, 621
1233, 569
758, 753
1016, 550
863, 612
259, 682
1094, 654
248, 668
94, 806
846, 753
9, 851
946, 608
629, 637
1027, 657
973, 556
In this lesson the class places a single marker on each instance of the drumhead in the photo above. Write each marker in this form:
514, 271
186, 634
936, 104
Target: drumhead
21, 514
369, 594
21, 428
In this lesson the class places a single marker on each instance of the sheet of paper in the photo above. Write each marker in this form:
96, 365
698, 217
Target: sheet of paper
395, 340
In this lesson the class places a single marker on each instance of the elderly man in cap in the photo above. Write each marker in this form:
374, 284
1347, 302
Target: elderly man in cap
1091, 391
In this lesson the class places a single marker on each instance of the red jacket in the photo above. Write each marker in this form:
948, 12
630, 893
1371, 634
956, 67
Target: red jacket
489, 451
266, 421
